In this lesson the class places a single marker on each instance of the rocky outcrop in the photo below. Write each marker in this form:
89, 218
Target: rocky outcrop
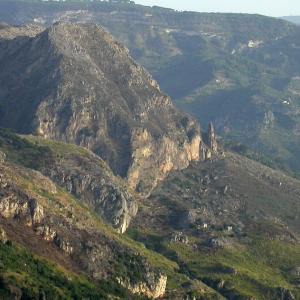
63, 244
180, 237
19, 205
286, 294
153, 287
15, 204
77, 170
47, 232
212, 138
36, 211
88, 178
137, 275
210, 148
93, 94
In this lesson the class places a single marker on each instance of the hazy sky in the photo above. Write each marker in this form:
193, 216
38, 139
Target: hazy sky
266, 7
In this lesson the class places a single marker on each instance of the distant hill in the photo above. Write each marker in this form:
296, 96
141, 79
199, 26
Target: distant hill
293, 19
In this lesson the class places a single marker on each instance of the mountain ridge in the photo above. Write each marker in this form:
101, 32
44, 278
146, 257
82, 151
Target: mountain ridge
201, 59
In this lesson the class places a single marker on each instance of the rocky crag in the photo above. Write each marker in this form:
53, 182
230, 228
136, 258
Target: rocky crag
222, 67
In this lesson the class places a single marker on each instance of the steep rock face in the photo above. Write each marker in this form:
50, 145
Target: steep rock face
76, 84
166, 153
17, 204
210, 147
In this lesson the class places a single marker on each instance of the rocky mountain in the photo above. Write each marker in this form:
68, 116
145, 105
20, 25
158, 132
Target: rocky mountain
239, 71
75, 83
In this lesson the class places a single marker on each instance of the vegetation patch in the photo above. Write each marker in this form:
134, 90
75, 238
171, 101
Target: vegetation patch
31, 277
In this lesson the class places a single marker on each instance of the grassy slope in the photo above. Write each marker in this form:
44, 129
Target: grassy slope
260, 269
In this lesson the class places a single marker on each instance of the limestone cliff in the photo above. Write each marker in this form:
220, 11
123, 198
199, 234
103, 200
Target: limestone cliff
76, 84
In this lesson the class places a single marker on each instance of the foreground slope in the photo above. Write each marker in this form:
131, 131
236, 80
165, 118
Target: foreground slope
230, 222
75, 83
39, 220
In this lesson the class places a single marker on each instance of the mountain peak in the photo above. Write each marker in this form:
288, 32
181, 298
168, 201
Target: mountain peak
76, 84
